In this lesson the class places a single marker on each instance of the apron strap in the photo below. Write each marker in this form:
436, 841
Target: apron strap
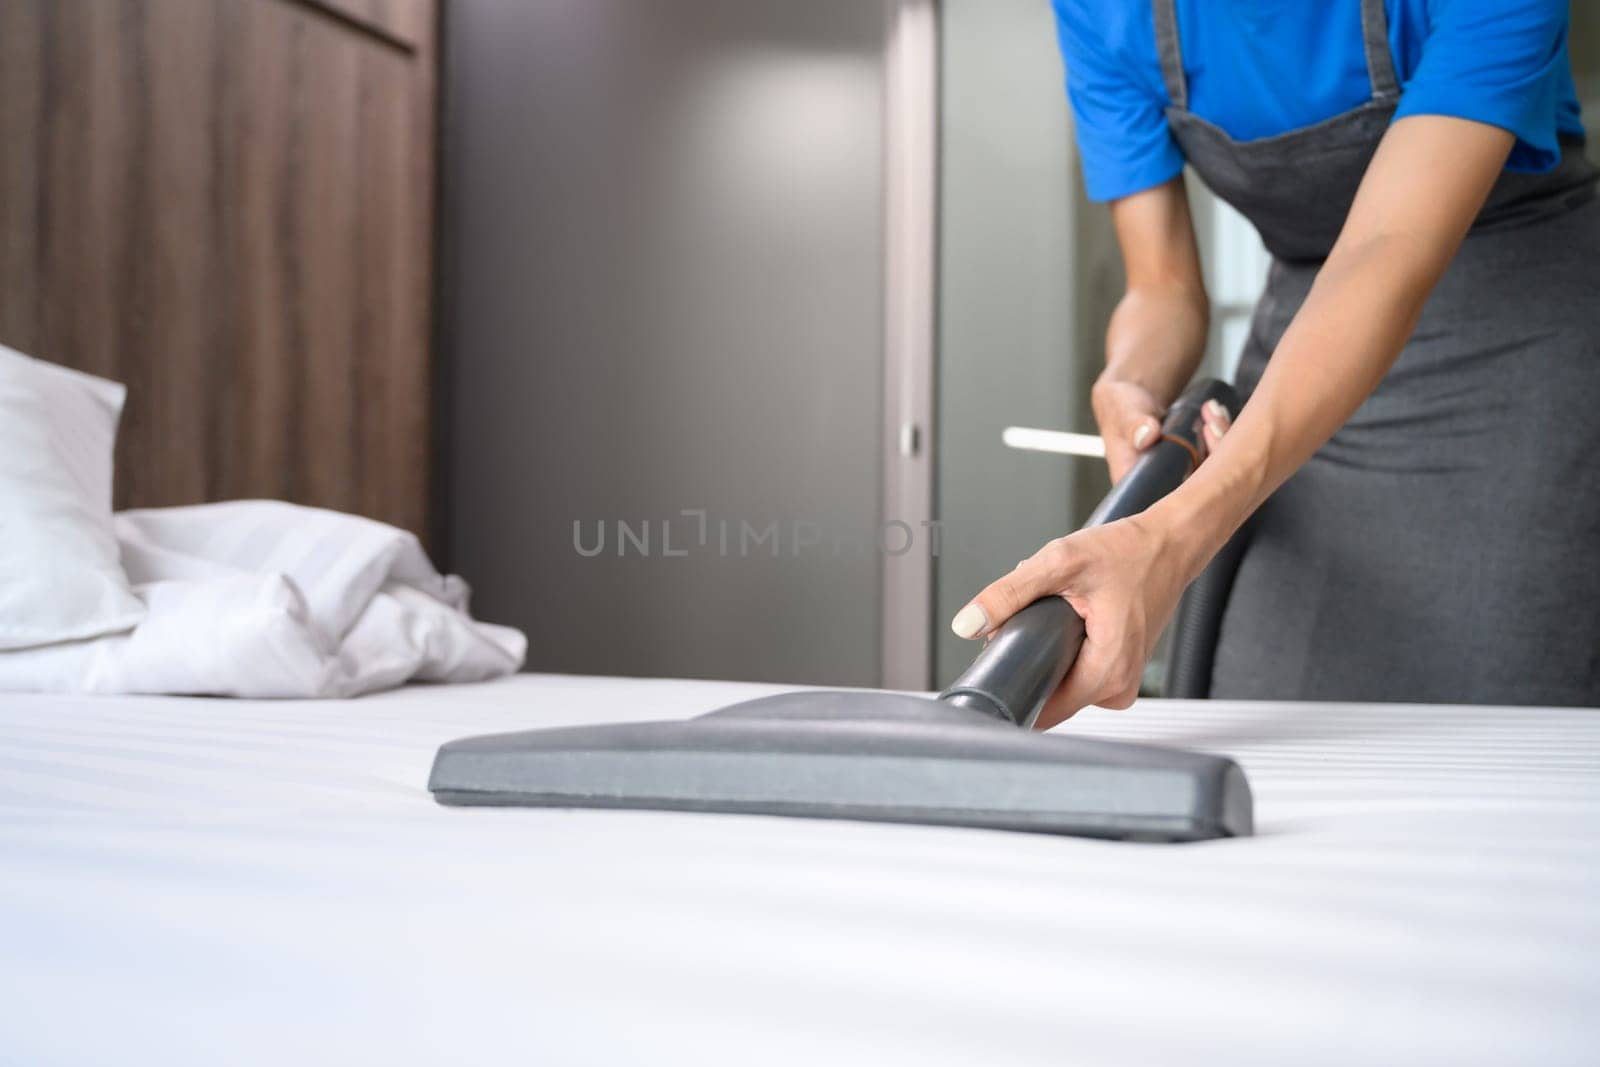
1375, 40
1171, 56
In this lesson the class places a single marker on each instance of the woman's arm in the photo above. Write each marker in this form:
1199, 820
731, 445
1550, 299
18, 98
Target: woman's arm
1157, 334
1424, 186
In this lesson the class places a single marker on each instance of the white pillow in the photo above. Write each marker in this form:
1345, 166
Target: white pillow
60, 575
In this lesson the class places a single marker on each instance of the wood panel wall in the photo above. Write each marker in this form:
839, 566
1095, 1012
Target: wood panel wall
228, 205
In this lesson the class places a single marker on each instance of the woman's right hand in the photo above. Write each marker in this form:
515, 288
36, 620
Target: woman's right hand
1157, 333
1129, 416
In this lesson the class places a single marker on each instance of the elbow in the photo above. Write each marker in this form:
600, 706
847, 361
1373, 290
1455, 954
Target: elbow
1407, 265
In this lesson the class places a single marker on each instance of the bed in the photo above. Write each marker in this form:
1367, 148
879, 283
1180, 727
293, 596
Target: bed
192, 881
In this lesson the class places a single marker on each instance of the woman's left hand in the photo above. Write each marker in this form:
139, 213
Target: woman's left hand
1123, 578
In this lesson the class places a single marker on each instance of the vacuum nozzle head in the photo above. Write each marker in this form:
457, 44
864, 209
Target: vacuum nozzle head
880, 757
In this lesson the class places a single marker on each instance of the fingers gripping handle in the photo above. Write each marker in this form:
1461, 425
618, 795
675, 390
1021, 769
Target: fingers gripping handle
1022, 664
1031, 652
1164, 466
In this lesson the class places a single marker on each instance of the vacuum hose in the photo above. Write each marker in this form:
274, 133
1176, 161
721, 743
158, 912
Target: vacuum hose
1030, 653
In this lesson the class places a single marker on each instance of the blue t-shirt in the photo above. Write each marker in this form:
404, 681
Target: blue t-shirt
1262, 67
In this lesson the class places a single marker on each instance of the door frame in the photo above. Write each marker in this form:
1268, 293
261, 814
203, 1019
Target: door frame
911, 157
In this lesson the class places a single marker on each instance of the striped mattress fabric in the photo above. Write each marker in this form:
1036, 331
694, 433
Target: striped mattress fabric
201, 881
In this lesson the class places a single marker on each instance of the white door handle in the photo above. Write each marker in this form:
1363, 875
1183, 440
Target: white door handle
1059, 442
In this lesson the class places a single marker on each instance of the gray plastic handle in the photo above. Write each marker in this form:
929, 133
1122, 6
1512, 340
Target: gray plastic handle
1032, 651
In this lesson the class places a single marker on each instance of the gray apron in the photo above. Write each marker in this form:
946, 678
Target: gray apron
1444, 546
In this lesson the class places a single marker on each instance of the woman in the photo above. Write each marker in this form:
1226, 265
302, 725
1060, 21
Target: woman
1422, 434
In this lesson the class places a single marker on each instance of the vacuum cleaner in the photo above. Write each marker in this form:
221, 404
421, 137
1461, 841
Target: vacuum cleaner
969, 758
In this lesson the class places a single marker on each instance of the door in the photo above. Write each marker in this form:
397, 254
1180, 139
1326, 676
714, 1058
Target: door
664, 332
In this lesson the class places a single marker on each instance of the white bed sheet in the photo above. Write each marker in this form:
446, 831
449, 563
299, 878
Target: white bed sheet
190, 881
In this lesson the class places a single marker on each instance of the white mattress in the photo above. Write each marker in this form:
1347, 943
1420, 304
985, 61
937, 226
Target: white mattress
199, 881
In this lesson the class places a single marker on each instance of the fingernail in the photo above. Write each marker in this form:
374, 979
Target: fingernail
970, 621
1141, 435
1216, 418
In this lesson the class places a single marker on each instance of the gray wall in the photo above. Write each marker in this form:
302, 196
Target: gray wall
1020, 328
664, 288
1584, 45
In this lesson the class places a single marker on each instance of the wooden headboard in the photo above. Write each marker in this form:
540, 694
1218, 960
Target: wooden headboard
228, 205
